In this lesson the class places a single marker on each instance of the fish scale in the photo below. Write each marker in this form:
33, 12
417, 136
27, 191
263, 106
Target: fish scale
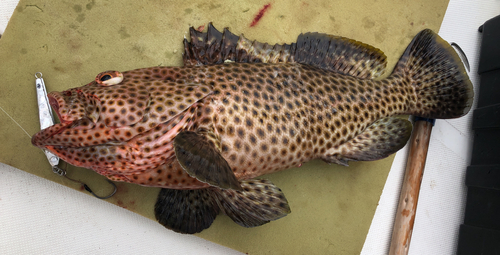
239, 109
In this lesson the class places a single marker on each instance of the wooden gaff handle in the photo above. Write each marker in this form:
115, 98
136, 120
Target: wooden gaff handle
407, 206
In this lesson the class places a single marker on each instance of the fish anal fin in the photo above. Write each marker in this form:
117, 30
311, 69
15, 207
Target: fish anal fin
201, 159
381, 139
335, 159
258, 203
186, 211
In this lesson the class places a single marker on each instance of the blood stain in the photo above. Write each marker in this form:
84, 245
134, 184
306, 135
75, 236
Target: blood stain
121, 204
260, 14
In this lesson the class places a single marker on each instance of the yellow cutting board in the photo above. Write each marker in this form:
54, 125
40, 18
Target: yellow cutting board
72, 41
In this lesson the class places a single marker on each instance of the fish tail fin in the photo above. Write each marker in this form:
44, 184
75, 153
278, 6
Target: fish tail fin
440, 86
191, 211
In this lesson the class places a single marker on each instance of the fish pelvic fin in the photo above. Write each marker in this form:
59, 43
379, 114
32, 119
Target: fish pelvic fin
191, 211
434, 71
186, 211
258, 203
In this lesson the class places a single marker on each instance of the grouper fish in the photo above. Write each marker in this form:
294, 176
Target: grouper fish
239, 109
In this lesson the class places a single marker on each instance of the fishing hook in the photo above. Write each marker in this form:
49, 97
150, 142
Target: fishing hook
462, 55
61, 172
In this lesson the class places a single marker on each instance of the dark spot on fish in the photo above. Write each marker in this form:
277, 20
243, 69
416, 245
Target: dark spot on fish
248, 122
256, 103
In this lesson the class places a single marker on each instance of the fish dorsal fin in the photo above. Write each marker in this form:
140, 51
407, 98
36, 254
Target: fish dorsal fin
340, 54
333, 53
214, 47
200, 158
381, 139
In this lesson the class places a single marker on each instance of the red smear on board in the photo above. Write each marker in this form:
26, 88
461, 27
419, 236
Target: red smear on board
121, 204
260, 14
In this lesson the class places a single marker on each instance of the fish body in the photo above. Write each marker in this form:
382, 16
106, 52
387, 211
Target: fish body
241, 109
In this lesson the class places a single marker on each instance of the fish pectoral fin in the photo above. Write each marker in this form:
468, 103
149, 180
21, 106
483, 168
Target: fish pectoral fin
200, 158
186, 211
258, 203
381, 139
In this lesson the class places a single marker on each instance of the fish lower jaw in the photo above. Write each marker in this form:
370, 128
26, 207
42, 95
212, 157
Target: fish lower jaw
40, 139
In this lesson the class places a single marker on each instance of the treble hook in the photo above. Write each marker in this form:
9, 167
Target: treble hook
61, 172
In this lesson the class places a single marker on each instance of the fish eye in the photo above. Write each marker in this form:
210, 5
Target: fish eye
109, 78
105, 77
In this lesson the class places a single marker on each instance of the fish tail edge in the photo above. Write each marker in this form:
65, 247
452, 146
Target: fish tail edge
440, 84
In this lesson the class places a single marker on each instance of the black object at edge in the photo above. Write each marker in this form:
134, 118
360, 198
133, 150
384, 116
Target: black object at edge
480, 233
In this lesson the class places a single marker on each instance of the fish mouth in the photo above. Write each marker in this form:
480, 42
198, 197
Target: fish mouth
56, 107
54, 104
42, 138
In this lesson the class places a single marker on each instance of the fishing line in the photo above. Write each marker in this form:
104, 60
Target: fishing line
16, 122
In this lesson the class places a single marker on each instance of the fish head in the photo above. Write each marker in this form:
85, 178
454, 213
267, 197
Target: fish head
109, 98
120, 121
89, 114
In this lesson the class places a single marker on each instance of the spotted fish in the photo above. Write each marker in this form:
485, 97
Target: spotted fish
239, 109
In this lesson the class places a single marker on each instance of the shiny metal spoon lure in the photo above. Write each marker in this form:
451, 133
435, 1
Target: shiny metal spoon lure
47, 120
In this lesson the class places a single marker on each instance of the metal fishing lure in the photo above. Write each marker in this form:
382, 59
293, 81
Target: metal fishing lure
47, 120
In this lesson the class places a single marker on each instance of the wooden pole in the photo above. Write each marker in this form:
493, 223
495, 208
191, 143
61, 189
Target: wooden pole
405, 214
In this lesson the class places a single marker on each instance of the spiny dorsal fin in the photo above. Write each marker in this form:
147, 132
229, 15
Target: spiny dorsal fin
333, 53
201, 159
214, 47
211, 47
